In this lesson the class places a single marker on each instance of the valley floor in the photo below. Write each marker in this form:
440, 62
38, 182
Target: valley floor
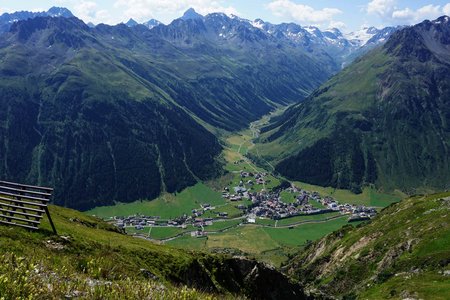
230, 229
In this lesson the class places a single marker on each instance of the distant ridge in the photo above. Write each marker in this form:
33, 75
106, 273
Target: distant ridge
191, 14
7, 19
343, 48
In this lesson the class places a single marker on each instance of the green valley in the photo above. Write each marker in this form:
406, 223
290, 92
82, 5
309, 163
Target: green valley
117, 113
269, 240
216, 157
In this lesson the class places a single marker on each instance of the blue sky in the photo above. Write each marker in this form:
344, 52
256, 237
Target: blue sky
348, 15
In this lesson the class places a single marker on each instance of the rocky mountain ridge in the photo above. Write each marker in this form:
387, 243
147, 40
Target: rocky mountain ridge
342, 48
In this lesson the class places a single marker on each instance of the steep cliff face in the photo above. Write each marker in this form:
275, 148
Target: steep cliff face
242, 276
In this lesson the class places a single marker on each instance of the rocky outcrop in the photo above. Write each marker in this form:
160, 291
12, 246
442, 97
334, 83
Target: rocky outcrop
238, 275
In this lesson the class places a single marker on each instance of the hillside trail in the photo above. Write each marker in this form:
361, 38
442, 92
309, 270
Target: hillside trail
255, 128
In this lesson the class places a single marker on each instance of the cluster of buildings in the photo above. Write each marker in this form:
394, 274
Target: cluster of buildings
137, 221
240, 191
140, 221
356, 212
263, 204
204, 208
258, 177
270, 205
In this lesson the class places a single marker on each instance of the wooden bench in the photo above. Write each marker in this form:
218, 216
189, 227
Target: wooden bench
24, 205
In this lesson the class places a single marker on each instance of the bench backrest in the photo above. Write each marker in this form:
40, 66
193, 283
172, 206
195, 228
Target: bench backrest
24, 205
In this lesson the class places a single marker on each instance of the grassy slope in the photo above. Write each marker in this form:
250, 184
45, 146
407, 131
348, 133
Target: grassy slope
342, 98
403, 252
166, 206
46, 266
91, 259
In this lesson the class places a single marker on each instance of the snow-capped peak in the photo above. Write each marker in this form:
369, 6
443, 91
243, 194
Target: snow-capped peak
362, 36
258, 23
312, 29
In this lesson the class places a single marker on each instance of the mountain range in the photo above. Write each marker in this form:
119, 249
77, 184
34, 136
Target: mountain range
77, 100
383, 120
341, 47
7, 19
124, 113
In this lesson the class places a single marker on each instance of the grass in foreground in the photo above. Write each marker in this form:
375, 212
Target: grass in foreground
89, 259
27, 278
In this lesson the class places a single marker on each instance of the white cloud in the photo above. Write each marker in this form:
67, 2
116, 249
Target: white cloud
390, 13
339, 25
89, 11
414, 16
37, 9
167, 10
446, 9
303, 13
382, 8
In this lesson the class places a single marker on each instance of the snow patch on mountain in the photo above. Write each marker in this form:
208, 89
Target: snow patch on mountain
258, 23
361, 37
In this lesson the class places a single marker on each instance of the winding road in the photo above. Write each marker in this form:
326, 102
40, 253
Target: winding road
296, 224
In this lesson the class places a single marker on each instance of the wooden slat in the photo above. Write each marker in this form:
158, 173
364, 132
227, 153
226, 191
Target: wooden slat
23, 202
20, 213
24, 197
21, 225
15, 202
27, 186
2, 187
41, 211
19, 219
